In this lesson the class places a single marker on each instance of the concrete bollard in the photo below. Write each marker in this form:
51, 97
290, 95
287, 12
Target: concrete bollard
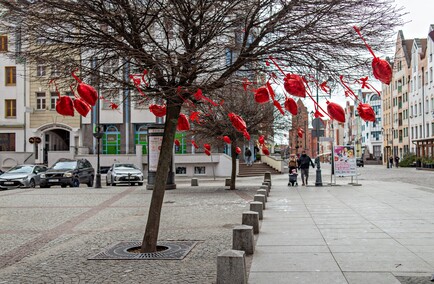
252, 219
194, 182
242, 238
267, 176
266, 188
263, 192
231, 267
257, 206
267, 184
269, 181
228, 182
260, 198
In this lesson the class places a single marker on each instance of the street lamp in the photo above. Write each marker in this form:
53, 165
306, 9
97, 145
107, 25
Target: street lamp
318, 181
98, 135
386, 154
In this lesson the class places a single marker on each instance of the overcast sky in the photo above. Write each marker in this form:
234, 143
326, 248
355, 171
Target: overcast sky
421, 15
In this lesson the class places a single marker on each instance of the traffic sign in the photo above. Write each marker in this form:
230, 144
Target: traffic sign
32, 140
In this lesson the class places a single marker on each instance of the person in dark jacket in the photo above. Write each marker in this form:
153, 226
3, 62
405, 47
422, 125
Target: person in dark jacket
303, 164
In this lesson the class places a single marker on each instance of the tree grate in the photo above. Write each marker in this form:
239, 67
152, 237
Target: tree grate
413, 279
176, 250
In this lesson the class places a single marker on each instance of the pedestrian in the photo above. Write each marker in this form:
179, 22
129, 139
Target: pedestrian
255, 152
303, 164
292, 166
391, 161
396, 161
248, 157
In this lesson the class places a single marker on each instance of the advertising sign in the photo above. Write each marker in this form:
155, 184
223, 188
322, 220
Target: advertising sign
154, 152
344, 160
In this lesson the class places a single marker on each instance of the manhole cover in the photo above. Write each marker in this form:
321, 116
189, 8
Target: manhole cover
119, 251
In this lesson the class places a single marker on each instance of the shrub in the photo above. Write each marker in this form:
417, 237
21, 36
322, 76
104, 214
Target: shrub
408, 160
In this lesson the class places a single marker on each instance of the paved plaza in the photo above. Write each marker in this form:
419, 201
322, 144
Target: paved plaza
379, 232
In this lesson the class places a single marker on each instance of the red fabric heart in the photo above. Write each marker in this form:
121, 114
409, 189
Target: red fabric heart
207, 147
261, 95
382, 70
177, 142
265, 150
64, 106
366, 112
300, 132
237, 122
291, 106
157, 110
183, 124
294, 85
81, 106
207, 152
246, 135
336, 112
227, 139
238, 150
87, 93
194, 144
261, 139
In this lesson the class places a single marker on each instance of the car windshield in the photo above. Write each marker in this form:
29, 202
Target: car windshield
125, 166
67, 165
21, 169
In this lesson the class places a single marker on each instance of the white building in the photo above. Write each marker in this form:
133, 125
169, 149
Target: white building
371, 136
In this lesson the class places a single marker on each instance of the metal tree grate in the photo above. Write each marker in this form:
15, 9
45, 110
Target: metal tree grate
176, 250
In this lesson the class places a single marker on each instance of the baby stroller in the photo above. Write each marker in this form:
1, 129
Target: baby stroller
293, 177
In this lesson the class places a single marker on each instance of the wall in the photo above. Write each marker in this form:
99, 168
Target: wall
11, 159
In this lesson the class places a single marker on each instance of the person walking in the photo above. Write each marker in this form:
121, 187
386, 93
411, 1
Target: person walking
248, 157
396, 161
303, 164
391, 161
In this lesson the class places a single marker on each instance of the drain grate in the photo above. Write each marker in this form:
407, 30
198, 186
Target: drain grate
176, 250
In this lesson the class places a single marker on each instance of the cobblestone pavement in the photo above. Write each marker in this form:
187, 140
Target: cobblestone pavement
47, 235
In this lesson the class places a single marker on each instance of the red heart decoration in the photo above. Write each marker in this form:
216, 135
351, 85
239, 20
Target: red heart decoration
64, 106
300, 132
237, 122
366, 112
265, 150
207, 152
336, 112
87, 93
382, 70
227, 139
261, 95
246, 134
291, 106
81, 106
177, 142
207, 147
194, 144
261, 139
157, 110
183, 124
294, 85
238, 150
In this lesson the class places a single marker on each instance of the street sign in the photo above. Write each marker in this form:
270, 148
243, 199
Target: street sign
37, 140
32, 140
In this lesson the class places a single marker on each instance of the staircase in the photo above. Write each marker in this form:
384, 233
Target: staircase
257, 169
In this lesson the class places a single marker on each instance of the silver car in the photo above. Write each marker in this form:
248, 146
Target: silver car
124, 174
21, 176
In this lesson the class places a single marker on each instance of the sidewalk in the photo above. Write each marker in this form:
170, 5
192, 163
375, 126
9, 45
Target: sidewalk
380, 232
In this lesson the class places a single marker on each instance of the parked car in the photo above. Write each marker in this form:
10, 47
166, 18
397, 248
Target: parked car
360, 162
124, 173
68, 172
22, 176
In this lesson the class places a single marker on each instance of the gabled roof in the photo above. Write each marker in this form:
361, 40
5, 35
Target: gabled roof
406, 45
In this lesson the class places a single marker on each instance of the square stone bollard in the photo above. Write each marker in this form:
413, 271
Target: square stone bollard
267, 176
231, 267
260, 198
266, 189
242, 238
194, 182
263, 192
267, 183
268, 180
257, 206
251, 218
228, 182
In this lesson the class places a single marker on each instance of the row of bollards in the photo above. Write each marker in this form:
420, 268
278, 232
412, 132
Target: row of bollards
231, 264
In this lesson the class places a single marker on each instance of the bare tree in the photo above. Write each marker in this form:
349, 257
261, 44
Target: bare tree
196, 44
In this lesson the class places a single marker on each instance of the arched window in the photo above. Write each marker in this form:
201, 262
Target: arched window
111, 140
141, 137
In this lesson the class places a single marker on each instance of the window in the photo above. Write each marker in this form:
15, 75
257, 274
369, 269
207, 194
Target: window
199, 170
40, 101
181, 170
427, 130
55, 72
420, 108
430, 74
7, 141
415, 111
420, 131
111, 66
10, 76
40, 70
10, 108
3, 43
53, 100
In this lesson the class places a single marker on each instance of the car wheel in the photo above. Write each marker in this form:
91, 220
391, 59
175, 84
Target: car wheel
90, 182
44, 186
140, 183
75, 182
32, 183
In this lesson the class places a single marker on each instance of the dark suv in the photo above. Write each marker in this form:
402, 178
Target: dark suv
68, 172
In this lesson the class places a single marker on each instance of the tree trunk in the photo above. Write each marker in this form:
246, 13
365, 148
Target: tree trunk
234, 165
164, 162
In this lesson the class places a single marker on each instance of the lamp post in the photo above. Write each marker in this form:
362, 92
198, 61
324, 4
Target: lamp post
386, 154
318, 181
98, 135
